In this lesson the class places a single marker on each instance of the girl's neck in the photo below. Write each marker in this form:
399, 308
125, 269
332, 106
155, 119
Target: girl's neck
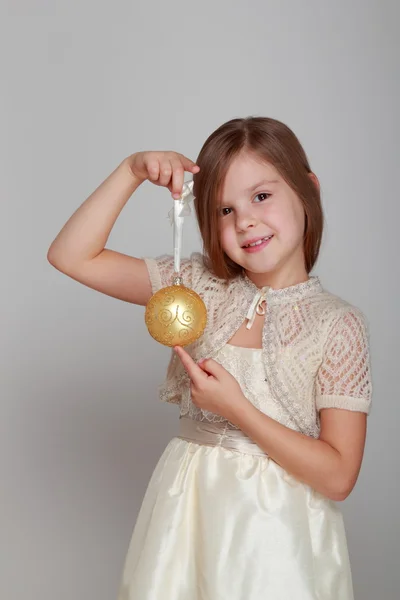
278, 280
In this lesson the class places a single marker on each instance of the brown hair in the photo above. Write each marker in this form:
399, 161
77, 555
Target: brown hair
273, 142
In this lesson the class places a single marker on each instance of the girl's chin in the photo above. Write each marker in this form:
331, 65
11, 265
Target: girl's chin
254, 263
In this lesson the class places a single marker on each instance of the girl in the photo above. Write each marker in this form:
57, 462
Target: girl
273, 397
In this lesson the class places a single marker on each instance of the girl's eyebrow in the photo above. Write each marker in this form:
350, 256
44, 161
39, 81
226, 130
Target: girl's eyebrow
263, 182
253, 187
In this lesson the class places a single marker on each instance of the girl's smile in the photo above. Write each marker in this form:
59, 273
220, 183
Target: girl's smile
257, 244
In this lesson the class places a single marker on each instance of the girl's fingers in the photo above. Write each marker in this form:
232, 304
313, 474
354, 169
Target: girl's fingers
180, 165
153, 168
195, 373
168, 169
189, 165
165, 172
178, 174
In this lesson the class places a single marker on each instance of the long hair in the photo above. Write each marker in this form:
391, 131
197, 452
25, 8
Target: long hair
273, 142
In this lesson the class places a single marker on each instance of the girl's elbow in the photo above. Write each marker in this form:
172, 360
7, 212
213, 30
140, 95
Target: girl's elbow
339, 496
341, 490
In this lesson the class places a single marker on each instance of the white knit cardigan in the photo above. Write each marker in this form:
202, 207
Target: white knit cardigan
315, 344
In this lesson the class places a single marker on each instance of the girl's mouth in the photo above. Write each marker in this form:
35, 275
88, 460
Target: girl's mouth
257, 246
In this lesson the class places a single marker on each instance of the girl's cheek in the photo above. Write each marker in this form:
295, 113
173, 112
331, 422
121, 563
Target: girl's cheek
226, 238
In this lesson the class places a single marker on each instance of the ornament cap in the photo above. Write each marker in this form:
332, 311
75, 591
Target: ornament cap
177, 279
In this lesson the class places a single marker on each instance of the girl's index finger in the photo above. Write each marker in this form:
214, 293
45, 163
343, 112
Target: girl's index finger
189, 165
191, 367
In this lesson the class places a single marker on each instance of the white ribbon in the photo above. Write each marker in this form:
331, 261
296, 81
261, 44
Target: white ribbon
176, 215
256, 306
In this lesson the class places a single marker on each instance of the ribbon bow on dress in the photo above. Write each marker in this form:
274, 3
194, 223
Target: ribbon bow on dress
257, 307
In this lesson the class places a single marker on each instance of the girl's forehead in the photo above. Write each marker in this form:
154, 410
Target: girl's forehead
245, 174
245, 167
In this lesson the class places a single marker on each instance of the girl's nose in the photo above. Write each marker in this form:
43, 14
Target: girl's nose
245, 219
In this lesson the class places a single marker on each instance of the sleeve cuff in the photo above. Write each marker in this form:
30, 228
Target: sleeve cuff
345, 402
154, 273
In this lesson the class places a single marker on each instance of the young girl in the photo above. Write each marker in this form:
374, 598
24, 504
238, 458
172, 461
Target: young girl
273, 397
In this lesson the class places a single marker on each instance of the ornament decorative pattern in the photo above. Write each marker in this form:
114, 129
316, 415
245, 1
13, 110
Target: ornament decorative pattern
176, 316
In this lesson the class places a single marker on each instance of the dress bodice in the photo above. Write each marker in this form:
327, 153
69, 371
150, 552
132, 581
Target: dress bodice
315, 346
247, 366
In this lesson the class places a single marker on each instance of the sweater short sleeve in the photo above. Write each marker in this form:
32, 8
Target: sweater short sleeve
161, 270
344, 377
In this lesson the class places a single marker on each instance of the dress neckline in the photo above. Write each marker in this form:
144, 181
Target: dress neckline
257, 350
293, 293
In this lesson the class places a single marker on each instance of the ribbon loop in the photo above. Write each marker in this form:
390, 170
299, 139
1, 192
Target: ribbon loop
181, 205
176, 215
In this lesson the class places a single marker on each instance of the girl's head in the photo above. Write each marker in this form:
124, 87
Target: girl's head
255, 181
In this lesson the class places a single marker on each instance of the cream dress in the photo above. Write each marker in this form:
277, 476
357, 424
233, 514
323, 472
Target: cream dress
220, 520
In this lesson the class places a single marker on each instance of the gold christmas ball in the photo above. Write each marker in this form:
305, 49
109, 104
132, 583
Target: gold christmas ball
176, 316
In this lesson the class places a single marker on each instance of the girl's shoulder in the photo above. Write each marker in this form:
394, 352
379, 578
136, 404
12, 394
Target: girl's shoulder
194, 271
337, 305
340, 318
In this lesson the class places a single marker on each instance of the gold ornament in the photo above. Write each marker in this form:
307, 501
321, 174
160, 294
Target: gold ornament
176, 315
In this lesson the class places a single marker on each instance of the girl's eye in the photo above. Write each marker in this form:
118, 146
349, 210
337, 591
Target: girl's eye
223, 213
266, 196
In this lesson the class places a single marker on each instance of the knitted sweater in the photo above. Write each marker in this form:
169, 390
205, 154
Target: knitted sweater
315, 345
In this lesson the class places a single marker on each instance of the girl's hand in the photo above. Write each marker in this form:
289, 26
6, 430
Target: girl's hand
162, 168
212, 387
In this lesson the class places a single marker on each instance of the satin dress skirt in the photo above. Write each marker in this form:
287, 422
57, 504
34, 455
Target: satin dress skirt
220, 520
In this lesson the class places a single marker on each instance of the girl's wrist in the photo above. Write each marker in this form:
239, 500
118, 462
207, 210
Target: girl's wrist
127, 165
240, 410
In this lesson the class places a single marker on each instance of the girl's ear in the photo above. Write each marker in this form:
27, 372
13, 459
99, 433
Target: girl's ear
315, 179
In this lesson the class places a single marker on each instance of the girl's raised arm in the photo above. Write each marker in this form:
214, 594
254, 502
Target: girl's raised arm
79, 248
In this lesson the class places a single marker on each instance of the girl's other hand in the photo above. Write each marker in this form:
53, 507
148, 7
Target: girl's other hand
162, 168
213, 388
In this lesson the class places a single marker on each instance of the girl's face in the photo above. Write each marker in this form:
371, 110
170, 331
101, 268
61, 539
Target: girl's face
257, 203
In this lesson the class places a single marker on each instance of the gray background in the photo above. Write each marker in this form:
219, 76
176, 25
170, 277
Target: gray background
84, 84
